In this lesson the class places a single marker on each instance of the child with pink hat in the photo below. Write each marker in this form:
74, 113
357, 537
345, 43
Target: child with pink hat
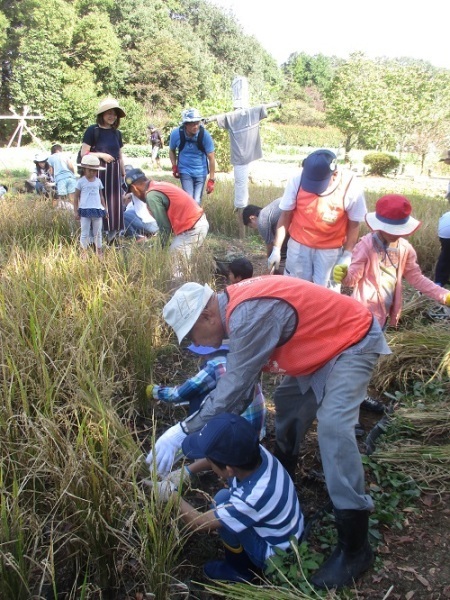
381, 260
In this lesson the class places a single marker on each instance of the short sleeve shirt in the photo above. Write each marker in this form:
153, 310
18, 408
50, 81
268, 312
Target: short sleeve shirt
109, 140
354, 200
268, 219
191, 160
89, 192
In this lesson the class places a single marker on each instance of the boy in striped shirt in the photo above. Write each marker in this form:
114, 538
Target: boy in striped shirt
258, 511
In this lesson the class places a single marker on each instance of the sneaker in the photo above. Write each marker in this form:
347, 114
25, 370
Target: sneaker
372, 404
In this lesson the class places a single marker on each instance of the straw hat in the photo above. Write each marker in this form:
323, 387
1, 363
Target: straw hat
89, 161
109, 103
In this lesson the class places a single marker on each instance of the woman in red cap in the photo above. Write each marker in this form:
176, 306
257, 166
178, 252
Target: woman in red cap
382, 258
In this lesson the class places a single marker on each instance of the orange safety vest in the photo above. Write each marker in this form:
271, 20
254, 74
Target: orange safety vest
326, 323
321, 221
183, 212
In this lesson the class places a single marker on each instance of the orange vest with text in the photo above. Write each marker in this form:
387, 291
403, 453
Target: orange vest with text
183, 212
321, 221
326, 323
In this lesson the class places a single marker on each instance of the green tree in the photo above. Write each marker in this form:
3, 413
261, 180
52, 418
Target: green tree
356, 101
96, 47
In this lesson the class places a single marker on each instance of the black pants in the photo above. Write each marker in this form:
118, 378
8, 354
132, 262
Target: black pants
442, 275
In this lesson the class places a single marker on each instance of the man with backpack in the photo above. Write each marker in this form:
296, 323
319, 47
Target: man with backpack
191, 152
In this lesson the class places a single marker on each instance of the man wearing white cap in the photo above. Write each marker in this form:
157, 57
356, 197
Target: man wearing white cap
316, 338
322, 208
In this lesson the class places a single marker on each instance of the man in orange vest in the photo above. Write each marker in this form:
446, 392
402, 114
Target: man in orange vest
326, 345
174, 210
321, 208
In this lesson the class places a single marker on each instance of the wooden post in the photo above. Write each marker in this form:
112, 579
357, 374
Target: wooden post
23, 125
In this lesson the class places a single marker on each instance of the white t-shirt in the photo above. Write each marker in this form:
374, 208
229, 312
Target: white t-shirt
89, 192
141, 209
354, 200
444, 226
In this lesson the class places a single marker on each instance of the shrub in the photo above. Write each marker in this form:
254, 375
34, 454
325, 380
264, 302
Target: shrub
381, 164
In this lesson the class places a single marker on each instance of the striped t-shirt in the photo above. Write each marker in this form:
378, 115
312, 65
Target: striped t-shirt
267, 502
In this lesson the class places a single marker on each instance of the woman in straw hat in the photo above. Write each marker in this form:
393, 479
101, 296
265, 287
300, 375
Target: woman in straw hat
104, 140
89, 204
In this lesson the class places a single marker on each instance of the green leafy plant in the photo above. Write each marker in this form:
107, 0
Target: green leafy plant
381, 164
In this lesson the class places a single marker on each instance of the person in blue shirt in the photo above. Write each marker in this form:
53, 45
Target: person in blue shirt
256, 514
191, 152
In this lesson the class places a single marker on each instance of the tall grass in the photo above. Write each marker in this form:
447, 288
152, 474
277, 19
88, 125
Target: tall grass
78, 341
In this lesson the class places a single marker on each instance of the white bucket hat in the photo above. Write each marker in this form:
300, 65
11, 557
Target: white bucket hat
109, 103
40, 157
185, 307
91, 162
393, 215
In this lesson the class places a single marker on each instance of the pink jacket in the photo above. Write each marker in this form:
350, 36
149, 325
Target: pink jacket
364, 276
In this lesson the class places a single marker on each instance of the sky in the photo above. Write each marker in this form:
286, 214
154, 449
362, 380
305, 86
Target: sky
390, 28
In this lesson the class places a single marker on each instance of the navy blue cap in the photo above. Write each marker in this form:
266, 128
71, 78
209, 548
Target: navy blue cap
318, 168
226, 438
203, 350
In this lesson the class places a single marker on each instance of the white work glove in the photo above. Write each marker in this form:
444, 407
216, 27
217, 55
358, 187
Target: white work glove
345, 258
180, 477
165, 449
164, 489
273, 262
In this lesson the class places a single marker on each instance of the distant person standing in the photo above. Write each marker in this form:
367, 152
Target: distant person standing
321, 208
63, 173
89, 204
442, 275
446, 159
104, 140
157, 143
191, 152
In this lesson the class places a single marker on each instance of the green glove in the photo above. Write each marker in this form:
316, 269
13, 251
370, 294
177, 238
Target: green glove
339, 273
149, 391
447, 300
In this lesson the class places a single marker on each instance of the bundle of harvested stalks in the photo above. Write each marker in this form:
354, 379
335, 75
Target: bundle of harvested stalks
429, 466
427, 424
417, 355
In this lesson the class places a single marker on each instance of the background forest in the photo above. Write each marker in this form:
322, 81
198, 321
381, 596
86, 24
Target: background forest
159, 56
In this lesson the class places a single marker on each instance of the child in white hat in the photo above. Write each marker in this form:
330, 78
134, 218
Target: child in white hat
379, 262
382, 258
89, 204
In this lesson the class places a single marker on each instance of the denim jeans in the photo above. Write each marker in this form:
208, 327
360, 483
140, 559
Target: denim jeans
135, 226
193, 186
253, 544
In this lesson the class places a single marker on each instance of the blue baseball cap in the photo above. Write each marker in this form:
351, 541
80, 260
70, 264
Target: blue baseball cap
226, 438
318, 167
204, 350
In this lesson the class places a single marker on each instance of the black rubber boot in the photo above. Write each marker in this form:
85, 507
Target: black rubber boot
288, 461
352, 555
